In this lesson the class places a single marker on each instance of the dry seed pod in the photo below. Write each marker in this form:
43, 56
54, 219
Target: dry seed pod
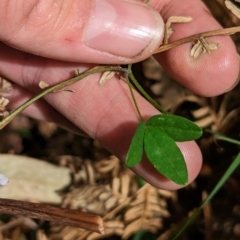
106, 76
43, 85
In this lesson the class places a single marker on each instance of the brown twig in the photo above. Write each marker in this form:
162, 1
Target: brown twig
225, 31
70, 217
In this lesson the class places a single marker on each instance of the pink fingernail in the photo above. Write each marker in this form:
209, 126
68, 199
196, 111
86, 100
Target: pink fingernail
124, 28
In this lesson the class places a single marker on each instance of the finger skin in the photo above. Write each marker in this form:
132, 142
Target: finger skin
105, 113
40, 110
111, 120
208, 75
70, 31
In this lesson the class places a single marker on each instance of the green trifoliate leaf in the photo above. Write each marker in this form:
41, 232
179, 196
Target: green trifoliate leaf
165, 155
135, 151
178, 128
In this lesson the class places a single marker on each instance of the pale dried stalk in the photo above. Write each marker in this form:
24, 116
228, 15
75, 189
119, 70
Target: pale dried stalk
225, 31
233, 8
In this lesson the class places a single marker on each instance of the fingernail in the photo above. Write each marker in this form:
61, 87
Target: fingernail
124, 28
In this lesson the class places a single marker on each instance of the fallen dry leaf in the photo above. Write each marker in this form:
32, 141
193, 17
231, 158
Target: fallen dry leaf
32, 179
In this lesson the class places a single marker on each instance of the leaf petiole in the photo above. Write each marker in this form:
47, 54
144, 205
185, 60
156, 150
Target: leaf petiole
219, 136
134, 99
144, 93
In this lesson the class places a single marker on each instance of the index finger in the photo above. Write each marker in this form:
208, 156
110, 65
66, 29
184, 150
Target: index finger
209, 74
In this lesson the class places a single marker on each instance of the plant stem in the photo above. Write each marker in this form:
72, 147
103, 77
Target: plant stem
225, 31
226, 139
144, 93
219, 136
57, 87
230, 170
134, 99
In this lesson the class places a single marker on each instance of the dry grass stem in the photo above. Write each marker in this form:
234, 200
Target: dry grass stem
196, 37
233, 8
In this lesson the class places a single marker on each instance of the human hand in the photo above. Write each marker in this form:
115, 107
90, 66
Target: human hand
54, 38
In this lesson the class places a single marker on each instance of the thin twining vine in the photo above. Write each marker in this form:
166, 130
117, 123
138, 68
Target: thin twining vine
101, 69
58, 87
198, 36
140, 89
157, 136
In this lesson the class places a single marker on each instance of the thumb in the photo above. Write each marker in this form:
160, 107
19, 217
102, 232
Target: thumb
93, 31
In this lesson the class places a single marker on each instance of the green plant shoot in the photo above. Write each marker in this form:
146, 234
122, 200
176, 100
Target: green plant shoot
135, 151
178, 128
165, 155
156, 138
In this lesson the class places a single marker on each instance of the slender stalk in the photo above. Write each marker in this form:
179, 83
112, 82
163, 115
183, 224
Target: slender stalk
70, 217
134, 99
144, 93
57, 87
225, 31
230, 170
226, 139
131, 91
219, 136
